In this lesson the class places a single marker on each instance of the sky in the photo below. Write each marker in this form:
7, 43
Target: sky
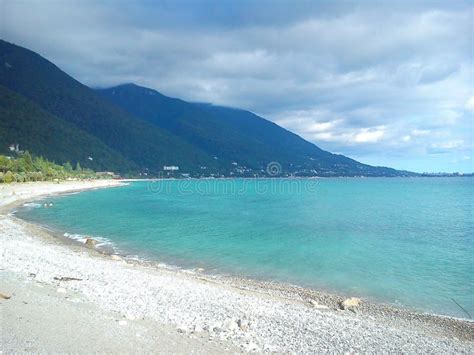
386, 83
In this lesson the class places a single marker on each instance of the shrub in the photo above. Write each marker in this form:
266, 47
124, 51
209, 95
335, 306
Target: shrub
8, 177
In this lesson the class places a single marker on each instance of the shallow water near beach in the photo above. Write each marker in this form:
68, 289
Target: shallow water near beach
406, 241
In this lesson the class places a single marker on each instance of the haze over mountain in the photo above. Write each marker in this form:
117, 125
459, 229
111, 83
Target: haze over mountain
131, 129
234, 135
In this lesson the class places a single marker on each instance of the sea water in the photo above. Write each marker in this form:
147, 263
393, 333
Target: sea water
406, 241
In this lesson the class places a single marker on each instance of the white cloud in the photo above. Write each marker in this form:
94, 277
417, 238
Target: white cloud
323, 126
346, 136
420, 132
453, 144
470, 104
370, 135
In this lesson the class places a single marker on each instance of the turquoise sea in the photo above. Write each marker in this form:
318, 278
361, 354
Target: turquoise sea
407, 241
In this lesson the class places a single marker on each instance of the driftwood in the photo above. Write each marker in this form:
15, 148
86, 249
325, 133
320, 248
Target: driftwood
5, 297
66, 278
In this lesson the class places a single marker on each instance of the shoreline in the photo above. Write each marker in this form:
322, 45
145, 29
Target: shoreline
285, 290
425, 332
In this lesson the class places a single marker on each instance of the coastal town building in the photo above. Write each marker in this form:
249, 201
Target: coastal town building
170, 168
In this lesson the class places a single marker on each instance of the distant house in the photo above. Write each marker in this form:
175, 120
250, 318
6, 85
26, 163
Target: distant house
170, 168
14, 148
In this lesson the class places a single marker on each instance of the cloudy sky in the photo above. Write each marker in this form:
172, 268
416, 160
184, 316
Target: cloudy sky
384, 83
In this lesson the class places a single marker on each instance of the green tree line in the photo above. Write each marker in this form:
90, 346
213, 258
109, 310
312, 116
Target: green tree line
25, 168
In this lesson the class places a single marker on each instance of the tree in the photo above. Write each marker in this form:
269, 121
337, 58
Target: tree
27, 168
68, 167
8, 177
5, 164
28, 161
19, 177
38, 163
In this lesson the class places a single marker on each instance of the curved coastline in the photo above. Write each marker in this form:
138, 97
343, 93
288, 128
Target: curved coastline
331, 299
456, 332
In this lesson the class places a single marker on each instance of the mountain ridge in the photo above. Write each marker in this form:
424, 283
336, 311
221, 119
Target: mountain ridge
139, 130
43, 83
227, 128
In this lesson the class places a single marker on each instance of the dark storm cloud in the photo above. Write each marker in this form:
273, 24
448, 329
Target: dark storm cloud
382, 82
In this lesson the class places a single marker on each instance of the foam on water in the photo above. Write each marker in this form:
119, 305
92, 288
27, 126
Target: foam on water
32, 205
104, 245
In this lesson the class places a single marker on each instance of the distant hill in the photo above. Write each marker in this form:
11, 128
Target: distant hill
131, 129
236, 135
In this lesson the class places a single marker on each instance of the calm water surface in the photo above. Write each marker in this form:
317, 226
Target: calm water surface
400, 240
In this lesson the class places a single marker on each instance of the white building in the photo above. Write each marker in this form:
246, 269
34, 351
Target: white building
170, 168
14, 148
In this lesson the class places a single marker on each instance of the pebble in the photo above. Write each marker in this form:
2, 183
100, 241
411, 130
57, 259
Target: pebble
351, 303
251, 347
316, 305
245, 318
230, 325
198, 329
243, 325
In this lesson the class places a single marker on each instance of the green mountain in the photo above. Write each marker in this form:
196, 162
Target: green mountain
142, 144
131, 129
47, 135
234, 135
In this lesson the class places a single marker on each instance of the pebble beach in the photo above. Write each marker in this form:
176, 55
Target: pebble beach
62, 296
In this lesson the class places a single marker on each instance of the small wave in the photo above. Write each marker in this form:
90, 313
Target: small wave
103, 244
32, 205
106, 246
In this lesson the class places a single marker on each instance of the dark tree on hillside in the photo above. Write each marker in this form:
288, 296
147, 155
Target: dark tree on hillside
68, 167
